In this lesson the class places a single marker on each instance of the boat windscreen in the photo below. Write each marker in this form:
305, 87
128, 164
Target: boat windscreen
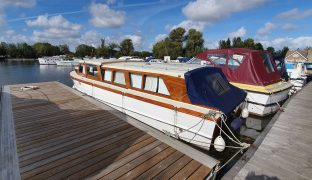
208, 86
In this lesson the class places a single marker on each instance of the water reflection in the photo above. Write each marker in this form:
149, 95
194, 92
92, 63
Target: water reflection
28, 72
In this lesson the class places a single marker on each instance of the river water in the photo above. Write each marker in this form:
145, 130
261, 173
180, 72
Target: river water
17, 72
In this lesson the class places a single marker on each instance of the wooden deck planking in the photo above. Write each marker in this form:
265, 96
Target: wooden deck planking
61, 135
286, 150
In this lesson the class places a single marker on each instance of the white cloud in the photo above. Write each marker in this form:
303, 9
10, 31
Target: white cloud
267, 29
103, 16
56, 27
2, 18
187, 25
295, 14
4, 4
10, 36
160, 37
289, 27
136, 40
92, 38
210, 11
241, 32
18, 3
111, 1
212, 44
293, 43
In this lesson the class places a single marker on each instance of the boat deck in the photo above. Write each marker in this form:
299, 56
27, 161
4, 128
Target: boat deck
284, 149
55, 132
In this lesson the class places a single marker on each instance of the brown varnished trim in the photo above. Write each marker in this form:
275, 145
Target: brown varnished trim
165, 105
171, 88
176, 86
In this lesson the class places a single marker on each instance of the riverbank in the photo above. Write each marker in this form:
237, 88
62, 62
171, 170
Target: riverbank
21, 59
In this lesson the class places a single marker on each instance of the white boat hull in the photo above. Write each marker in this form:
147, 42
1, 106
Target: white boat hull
67, 63
299, 82
261, 104
180, 125
43, 61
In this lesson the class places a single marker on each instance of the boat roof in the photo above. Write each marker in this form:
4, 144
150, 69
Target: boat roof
172, 69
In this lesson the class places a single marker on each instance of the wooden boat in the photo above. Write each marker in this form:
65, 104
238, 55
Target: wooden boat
253, 71
183, 101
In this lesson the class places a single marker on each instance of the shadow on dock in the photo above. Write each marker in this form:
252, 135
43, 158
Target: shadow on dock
61, 135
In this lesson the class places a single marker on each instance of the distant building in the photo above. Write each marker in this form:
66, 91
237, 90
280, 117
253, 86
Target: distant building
299, 55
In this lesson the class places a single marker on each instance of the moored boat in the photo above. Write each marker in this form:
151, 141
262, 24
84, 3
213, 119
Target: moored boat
183, 101
49, 60
297, 73
251, 70
66, 62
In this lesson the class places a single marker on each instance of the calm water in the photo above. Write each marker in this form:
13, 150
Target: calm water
31, 72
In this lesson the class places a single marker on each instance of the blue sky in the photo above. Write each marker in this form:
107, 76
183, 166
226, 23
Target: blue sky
274, 23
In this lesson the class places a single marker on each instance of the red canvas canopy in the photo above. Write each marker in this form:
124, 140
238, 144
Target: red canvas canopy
242, 65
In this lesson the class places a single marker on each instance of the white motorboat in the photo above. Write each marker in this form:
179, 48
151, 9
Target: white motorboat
49, 60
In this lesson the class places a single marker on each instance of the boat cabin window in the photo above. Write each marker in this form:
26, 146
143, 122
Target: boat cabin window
107, 75
217, 58
136, 80
80, 69
155, 84
92, 70
235, 60
119, 78
267, 62
217, 83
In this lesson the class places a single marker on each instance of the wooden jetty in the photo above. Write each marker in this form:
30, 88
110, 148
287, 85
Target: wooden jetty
55, 132
284, 149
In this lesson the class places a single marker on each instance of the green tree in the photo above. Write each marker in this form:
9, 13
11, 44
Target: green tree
160, 49
177, 35
194, 43
222, 44
271, 49
237, 42
258, 46
249, 43
3, 49
102, 50
228, 43
25, 51
126, 47
146, 54
83, 50
284, 51
112, 49
64, 49
12, 51
176, 38
45, 49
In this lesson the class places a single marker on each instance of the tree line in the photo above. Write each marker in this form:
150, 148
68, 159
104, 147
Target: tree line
24, 50
249, 43
107, 50
178, 43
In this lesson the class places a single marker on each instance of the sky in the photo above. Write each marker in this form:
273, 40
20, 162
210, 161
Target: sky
276, 23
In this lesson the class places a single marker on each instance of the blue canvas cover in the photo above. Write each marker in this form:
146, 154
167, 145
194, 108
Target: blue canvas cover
208, 86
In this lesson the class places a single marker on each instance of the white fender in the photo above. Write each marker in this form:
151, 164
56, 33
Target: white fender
219, 144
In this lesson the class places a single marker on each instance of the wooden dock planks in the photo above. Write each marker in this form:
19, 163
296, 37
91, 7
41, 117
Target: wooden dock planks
286, 150
60, 135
